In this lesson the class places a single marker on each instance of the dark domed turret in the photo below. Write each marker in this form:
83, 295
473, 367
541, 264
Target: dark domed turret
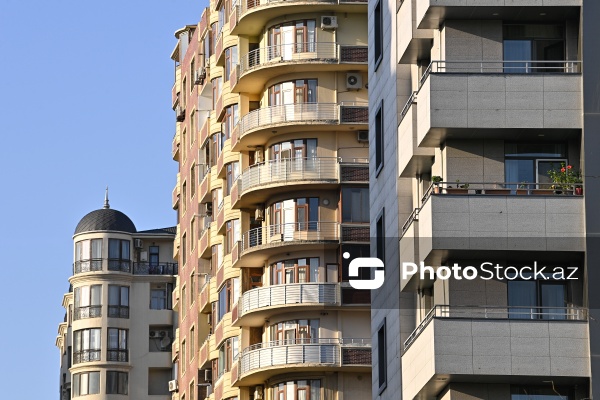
105, 219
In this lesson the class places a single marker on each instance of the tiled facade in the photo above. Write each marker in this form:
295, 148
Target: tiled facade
272, 145
482, 101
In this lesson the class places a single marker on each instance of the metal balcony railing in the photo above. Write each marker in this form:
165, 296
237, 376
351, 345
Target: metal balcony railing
498, 312
281, 234
304, 351
289, 52
300, 112
290, 170
83, 266
86, 356
146, 268
87, 312
118, 311
119, 265
117, 355
293, 293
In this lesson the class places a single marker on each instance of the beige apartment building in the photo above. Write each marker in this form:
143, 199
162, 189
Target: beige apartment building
272, 145
116, 338
483, 116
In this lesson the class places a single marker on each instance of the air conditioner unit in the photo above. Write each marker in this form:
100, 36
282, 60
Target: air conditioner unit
173, 386
362, 136
259, 214
208, 375
329, 22
209, 209
179, 113
138, 243
163, 334
209, 319
353, 81
258, 393
153, 334
199, 76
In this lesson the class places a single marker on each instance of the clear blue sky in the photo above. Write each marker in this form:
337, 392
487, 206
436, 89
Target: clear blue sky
85, 91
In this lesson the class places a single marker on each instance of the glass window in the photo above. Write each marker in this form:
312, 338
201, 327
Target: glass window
526, 45
378, 34
537, 299
160, 296
86, 383
117, 345
531, 162
86, 345
117, 382
382, 357
379, 138
231, 60
300, 270
118, 255
118, 301
88, 302
297, 390
355, 205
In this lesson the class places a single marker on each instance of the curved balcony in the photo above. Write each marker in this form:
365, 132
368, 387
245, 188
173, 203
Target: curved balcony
260, 243
258, 126
256, 67
259, 304
251, 16
262, 361
101, 265
278, 175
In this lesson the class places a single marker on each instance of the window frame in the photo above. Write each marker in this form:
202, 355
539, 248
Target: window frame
379, 135
120, 381
382, 354
120, 353
378, 35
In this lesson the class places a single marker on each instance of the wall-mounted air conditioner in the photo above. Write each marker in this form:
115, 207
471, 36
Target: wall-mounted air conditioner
362, 136
259, 214
173, 386
138, 243
353, 80
329, 22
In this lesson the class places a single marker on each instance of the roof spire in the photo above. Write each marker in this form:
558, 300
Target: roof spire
106, 205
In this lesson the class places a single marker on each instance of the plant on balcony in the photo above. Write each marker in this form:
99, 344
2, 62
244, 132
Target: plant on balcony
436, 179
460, 189
566, 178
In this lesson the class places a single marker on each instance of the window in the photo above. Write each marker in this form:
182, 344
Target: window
184, 197
118, 255
86, 383
193, 233
183, 144
382, 357
537, 299
531, 162
86, 345
380, 232
88, 302
183, 356
228, 295
232, 118
193, 287
298, 270
161, 296
527, 45
215, 29
117, 345
192, 390
297, 390
379, 139
305, 91
217, 257
294, 149
154, 256
192, 343
214, 150
88, 256
184, 249
183, 299
232, 234
292, 37
355, 205
217, 87
228, 352
378, 35
193, 181
117, 382
233, 172
305, 216
231, 60
118, 301
296, 331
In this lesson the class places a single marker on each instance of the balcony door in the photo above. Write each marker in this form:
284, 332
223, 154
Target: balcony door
527, 46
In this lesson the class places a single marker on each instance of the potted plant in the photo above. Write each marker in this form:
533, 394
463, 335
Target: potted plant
436, 179
565, 179
459, 189
522, 189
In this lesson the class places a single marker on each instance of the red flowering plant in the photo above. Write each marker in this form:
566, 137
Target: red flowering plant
565, 177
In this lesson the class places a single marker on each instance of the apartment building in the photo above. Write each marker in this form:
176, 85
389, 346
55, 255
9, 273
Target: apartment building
271, 140
482, 145
116, 338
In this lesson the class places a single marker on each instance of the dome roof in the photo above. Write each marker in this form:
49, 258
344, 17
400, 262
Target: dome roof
105, 219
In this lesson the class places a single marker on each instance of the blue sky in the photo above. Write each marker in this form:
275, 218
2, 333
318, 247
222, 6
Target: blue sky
85, 91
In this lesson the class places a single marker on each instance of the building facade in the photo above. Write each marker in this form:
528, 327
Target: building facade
272, 145
118, 331
482, 124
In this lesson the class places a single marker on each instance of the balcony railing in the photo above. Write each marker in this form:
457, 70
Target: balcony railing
305, 351
281, 234
87, 312
327, 113
290, 170
119, 265
82, 266
502, 67
146, 268
86, 356
294, 293
498, 312
117, 355
118, 311
289, 52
